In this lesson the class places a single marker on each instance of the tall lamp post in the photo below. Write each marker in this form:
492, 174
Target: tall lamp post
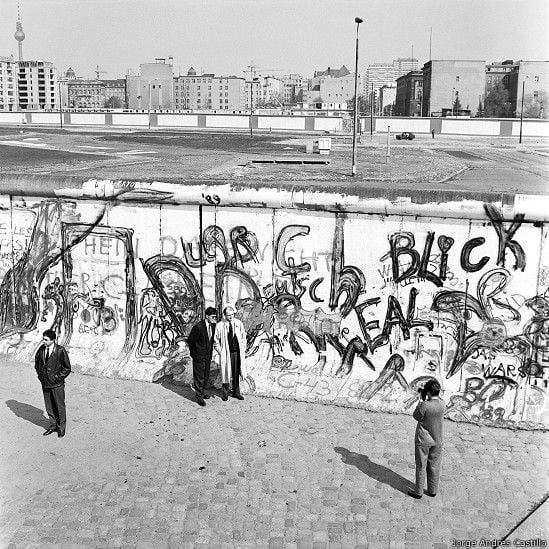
358, 20
60, 105
156, 79
522, 106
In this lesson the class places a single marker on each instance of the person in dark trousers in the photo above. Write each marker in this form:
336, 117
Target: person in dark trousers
428, 440
200, 342
52, 365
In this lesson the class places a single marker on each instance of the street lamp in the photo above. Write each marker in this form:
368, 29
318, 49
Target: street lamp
60, 105
522, 106
150, 82
452, 100
358, 20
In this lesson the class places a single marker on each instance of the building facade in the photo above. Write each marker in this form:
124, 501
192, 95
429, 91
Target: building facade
85, 94
153, 87
8, 84
37, 85
207, 91
533, 77
332, 88
115, 93
496, 72
409, 93
293, 86
452, 84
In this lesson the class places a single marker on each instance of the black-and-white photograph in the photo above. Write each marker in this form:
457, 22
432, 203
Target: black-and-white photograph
274, 274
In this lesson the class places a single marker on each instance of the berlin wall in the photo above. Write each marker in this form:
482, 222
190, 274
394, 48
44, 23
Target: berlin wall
340, 306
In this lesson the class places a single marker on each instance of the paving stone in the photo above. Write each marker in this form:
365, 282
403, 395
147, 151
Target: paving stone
299, 491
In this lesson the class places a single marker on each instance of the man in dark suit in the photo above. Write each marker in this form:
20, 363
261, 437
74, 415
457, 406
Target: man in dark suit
52, 365
200, 342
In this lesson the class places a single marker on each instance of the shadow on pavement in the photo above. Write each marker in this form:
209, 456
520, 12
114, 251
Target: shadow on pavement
374, 470
28, 412
185, 391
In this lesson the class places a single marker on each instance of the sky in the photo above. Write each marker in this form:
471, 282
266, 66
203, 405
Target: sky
277, 36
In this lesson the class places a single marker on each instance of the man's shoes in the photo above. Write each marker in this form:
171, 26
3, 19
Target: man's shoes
206, 396
60, 434
49, 431
201, 401
414, 494
430, 494
238, 397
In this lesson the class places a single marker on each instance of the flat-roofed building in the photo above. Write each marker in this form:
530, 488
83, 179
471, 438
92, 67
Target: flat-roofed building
447, 83
409, 92
207, 91
153, 87
37, 85
8, 84
534, 75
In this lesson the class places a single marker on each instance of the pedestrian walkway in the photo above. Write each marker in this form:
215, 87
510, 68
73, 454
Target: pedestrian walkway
144, 466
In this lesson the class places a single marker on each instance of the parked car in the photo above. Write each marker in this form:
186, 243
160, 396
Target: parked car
405, 135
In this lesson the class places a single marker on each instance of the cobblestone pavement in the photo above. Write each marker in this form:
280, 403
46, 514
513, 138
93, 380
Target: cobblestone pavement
144, 466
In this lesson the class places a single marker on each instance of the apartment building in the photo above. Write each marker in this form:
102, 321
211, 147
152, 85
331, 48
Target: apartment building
207, 91
37, 85
8, 84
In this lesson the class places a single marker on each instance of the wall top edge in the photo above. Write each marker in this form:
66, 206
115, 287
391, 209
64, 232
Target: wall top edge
286, 195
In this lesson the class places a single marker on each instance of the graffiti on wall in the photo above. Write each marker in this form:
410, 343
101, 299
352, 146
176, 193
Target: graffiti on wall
348, 310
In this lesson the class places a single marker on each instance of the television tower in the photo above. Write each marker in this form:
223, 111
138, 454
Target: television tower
19, 34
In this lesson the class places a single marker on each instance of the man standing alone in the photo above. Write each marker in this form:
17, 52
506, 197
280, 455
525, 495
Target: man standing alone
429, 414
52, 365
230, 343
200, 342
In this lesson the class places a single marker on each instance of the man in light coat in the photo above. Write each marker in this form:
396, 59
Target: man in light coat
230, 345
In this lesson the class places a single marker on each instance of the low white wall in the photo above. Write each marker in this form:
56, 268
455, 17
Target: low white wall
281, 123
224, 121
328, 124
12, 117
470, 127
398, 125
38, 117
130, 119
178, 120
531, 128
88, 118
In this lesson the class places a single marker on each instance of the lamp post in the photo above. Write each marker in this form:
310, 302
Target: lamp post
149, 117
358, 20
60, 105
522, 106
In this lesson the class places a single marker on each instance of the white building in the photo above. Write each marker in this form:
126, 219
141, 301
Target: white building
37, 85
8, 84
153, 87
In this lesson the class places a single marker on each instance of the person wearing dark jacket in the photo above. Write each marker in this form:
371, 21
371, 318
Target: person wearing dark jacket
200, 342
52, 366
428, 440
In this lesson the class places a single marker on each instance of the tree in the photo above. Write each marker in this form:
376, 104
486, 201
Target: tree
480, 109
273, 102
496, 103
363, 106
456, 107
113, 102
535, 106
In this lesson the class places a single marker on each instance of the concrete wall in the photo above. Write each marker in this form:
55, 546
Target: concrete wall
355, 309
462, 126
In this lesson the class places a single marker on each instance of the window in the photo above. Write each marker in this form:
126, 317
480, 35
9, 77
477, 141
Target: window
457, 78
536, 78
